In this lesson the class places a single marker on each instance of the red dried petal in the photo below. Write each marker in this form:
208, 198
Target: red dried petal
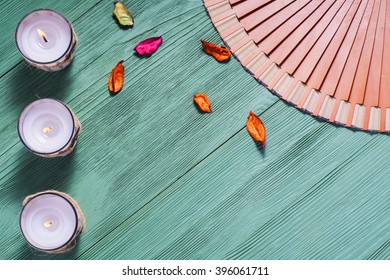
148, 46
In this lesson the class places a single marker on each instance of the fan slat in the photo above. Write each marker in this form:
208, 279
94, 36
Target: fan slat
332, 62
300, 52
322, 13
311, 101
340, 22
285, 48
220, 11
328, 57
236, 1
276, 37
384, 97
249, 6
246, 50
360, 81
345, 84
371, 96
259, 16
209, 3
265, 28
330, 83
257, 62
321, 69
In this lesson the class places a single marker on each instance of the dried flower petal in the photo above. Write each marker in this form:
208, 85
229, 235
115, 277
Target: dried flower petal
219, 53
117, 78
203, 102
123, 16
148, 46
256, 128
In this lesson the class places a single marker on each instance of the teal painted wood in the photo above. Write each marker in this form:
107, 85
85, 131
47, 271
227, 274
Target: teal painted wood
157, 179
292, 202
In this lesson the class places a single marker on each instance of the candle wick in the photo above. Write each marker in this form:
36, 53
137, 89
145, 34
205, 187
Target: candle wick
42, 35
47, 224
47, 129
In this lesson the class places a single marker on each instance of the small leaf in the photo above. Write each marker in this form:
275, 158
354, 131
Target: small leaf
117, 78
221, 54
203, 102
123, 16
256, 128
148, 46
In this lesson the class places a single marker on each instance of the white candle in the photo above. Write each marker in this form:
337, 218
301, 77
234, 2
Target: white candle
48, 128
50, 221
46, 40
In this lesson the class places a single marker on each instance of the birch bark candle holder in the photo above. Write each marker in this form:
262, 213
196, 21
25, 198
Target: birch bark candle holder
51, 221
49, 128
46, 40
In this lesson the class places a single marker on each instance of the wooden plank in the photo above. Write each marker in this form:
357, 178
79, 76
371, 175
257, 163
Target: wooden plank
135, 144
148, 151
268, 205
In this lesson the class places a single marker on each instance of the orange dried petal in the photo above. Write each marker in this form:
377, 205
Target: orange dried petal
203, 102
219, 53
117, 78
256, 128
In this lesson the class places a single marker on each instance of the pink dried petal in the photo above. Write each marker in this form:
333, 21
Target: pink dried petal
148, 46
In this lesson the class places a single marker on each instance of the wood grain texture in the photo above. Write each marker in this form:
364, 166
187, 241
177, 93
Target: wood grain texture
156, 179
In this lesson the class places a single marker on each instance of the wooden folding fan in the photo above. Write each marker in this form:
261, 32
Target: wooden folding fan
330, 58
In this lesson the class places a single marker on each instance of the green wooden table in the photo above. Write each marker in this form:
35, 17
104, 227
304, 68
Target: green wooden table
156, 179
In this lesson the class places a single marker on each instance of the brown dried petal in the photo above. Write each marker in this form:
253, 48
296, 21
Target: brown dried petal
219, 53
117, 78
203, 102
256, 128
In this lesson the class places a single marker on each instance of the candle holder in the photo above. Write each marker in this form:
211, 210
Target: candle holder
46, 40
49, 128
51, 221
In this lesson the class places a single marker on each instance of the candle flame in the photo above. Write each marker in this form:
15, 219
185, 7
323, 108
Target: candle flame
47, 224
46, 130
42, 34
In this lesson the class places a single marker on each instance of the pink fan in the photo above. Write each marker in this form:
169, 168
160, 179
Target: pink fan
330, 58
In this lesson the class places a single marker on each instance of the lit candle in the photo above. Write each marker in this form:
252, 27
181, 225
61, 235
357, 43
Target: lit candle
49, 128
51, 221
46, 40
